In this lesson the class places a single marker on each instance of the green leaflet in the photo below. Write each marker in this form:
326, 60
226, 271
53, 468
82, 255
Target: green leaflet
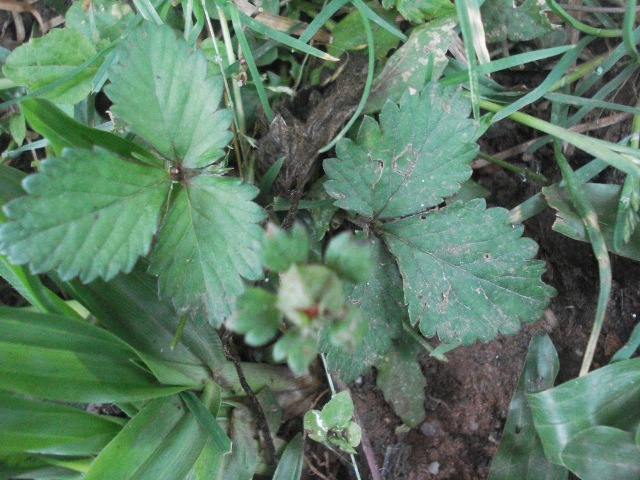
44, 427
163, 441
467, 273
62, 358
518, 22
416, 156
45, 60
520, 455
102, 21
402, 381
162, 91
418, 11
208, 240
381, 303
88, 214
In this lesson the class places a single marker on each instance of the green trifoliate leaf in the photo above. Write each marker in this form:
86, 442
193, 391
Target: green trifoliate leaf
380, 301
48, 59
257, 317
282, 249
207, 243
467, 273
418, 155
333, 424
161, 89
88, 214
348, 259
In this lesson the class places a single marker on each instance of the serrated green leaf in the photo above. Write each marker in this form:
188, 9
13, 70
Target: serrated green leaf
28, 425
45, 60
520, 455
467, 272
604, 198
257, 317
401, 380
381, 303
409, 66
101, 21
609, 396
418, 11
62, 358
207, 243
88, 214
603, 452
163, 441
416, 156
161, 89
518, 22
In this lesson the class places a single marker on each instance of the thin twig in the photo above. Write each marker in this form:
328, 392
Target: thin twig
263, 425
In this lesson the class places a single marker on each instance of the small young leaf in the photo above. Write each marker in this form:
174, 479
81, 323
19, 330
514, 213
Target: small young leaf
257, 317
162, 91
207, 243
416, 156
402, 382
282, 249
467, 273
349, 260
338, 411
17, 128
88, 214
45, 60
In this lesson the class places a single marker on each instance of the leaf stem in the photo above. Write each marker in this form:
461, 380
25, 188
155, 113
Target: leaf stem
582, 27
423, 342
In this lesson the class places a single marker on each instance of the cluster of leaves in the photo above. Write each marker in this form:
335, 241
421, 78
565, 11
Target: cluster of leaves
164, 238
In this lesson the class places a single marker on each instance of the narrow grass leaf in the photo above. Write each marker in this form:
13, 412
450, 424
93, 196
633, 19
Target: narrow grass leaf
62, 358
290, 465
520, 455
36, 426
89, 214
609, 396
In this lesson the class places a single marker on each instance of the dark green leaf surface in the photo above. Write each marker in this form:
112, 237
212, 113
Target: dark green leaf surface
467, 272
163, 441
416, 156
61, 358
207, 243
88, 214
520, 455
603, 452
401, 380
518, 22
161, 89
47, 59
609, 396
43, 427
381, 303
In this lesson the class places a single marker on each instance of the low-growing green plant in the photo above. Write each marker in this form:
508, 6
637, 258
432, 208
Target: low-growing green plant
163, 231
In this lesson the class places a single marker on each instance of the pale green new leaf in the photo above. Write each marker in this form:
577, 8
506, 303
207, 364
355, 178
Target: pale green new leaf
46, 60
381, 303
62, 358
36, 426
409, 66
88, 214
163, 441
416, 156
208, 241
467, 273
402, 381
161, 89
